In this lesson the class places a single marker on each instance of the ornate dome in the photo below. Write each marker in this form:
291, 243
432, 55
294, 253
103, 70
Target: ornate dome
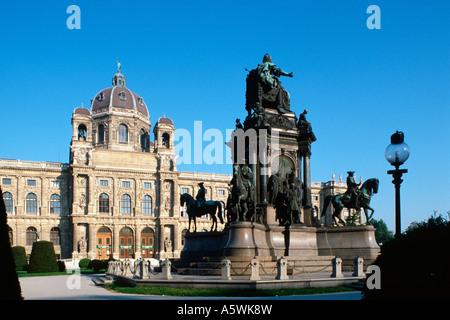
118, 96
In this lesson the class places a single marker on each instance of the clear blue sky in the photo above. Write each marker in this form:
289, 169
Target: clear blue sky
187, 59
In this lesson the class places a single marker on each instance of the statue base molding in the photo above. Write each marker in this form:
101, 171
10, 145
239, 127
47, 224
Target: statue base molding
307, 249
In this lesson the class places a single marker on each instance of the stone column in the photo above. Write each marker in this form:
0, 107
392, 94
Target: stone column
75, 241
115, 240
92, 254
137, 242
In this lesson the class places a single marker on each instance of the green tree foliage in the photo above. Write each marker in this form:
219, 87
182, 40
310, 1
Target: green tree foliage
382, 234
9, 282
43, 258
415, 264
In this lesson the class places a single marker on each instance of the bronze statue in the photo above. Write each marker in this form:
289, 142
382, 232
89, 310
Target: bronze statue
201, 195
208, 207
242, 202
338, 201
264, 87
350, 197
284, 194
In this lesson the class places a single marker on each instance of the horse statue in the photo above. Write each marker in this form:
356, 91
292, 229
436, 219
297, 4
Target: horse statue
208, 207
338, 201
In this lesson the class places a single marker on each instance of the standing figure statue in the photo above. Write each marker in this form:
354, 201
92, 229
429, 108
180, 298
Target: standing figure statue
243, 194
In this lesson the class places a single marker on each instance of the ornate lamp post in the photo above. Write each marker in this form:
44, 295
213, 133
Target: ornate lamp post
396, 154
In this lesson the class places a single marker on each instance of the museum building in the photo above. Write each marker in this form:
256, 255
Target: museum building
119, 195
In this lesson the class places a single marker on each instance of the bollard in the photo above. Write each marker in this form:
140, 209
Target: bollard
358, 264
337, 268
255, 269
282, 269
166, 266
226, 269
139, 269
145, 274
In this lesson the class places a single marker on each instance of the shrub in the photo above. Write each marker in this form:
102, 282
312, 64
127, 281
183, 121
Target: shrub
20, 258
43, 258
98, 265
415, 264
61, 266
84, 263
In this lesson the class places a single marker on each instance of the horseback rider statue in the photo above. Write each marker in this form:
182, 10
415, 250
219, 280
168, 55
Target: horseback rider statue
201, 196
352, 194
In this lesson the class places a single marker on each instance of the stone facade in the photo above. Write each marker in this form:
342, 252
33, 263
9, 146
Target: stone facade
119, 195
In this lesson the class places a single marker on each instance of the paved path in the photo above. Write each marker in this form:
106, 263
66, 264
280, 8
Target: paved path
81, 287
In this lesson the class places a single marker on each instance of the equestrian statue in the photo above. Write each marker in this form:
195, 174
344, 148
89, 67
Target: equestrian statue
199, 207
356, 197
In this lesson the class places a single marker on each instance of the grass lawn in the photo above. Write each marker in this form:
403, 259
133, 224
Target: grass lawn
198, 292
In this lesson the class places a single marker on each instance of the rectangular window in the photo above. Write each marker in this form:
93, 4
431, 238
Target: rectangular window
147, 185
125, 184
31, 182
103, 183
221, 192
6, 181
184, 190
55, 184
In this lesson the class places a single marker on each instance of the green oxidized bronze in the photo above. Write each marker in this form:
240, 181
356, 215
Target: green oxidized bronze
355, 197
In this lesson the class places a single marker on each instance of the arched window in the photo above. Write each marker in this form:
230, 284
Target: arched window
31, 203
125, 204
123, 133
55, 236
103, 203
101, 133
145, 141
82, 132
55, 204
166, 140
147, 205
8, 199
31, 236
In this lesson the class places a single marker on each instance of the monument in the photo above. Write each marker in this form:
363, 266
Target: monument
269, 212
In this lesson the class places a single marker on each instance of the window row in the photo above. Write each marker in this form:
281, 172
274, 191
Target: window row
122, 135
32, 182
31, 203
125, 204
220, 192
32, 235
125, 184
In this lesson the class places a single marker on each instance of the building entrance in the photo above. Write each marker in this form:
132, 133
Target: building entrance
148, 243
126, 243
104, 243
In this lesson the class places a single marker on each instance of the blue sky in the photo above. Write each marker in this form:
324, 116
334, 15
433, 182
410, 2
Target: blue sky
187, 59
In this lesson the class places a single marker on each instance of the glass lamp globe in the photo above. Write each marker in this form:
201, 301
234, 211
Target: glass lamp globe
398, 151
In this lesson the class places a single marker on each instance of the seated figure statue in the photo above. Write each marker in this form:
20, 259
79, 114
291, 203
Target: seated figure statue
264, 88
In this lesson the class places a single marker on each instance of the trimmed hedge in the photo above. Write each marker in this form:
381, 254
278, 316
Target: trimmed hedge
98, 265
20, 258
43, 258
84, 263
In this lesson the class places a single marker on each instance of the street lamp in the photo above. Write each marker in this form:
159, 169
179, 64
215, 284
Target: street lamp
396, 154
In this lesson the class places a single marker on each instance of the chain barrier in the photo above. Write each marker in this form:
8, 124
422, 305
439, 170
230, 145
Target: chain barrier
302, 270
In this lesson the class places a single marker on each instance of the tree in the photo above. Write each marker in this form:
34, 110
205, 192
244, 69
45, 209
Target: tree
9, 282
382, 234
415, 264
